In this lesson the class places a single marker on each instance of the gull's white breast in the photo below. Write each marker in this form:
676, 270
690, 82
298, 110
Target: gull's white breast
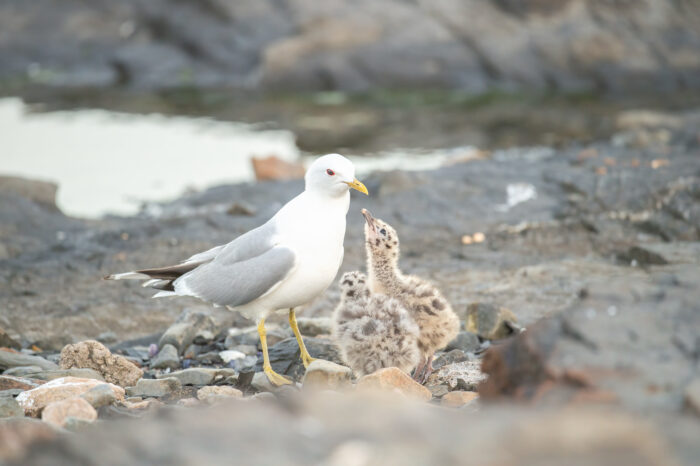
314, 228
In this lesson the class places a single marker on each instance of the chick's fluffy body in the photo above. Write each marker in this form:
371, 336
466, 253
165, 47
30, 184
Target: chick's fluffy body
373, 331
437, 322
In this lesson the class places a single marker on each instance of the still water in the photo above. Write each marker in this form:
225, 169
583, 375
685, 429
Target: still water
112, 162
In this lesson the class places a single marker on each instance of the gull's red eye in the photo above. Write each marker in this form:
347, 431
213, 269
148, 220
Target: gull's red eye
330, 172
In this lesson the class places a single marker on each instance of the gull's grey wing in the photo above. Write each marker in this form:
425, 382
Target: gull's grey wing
229, 283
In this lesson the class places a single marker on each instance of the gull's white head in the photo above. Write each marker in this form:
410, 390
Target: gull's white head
333, 175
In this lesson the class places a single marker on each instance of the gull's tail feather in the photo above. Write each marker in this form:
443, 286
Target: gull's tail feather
161, 278
127, 276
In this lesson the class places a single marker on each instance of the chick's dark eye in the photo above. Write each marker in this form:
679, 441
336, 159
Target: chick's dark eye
382, 231
330, 172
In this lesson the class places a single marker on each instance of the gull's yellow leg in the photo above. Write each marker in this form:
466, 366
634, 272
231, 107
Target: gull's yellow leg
272, 376
305, 356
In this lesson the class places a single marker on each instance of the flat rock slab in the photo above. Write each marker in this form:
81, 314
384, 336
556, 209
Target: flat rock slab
10, 359
155, 387
35, 400
199, 375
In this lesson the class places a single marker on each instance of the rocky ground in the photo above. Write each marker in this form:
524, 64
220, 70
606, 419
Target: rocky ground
570, 45
593, 250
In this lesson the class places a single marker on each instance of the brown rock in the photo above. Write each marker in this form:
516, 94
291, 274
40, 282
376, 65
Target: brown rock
8, 382
92, 354
17, 435
489, 321
40, 192
322, 374
458, 398
212, 393
392, 378
33, 401
57, 412
274, 168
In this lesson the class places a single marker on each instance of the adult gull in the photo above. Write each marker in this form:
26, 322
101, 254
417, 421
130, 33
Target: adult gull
284, 263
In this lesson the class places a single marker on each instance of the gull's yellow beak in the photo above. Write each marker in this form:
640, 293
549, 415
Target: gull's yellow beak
357, 184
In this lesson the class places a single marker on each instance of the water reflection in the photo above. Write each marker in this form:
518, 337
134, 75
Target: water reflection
108, 162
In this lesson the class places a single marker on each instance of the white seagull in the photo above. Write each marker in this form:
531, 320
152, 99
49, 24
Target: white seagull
282, 264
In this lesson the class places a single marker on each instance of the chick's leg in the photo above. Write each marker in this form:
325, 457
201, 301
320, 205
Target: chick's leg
272, 376
419, 369
305, 356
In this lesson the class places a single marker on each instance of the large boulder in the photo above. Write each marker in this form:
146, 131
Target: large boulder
92, 354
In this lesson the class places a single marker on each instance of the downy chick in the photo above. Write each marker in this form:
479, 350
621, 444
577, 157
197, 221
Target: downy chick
436, 320
373, 331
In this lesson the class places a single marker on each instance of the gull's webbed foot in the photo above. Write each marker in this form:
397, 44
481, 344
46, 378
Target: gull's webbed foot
275, 378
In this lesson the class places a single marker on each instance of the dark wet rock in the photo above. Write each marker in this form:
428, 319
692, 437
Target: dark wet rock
640, 256
285, 356
7, 341
59, 373
490, 322
601, 349
155, 387
464, 341
94, 355
10, 408
348, 46
167, 358
200, 376
10, 359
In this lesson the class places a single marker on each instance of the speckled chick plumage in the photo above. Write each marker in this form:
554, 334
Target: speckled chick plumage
373, 331
436, 320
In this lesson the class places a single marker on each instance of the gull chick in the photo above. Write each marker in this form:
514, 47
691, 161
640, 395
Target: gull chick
373, 331
282, 264
436, 320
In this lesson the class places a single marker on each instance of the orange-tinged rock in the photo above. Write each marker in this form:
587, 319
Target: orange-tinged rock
274, 168
35, 400
57, 412
9, 382
458, 398
394, 379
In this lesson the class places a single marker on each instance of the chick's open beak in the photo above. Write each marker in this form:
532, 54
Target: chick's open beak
357, 184
368, 218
